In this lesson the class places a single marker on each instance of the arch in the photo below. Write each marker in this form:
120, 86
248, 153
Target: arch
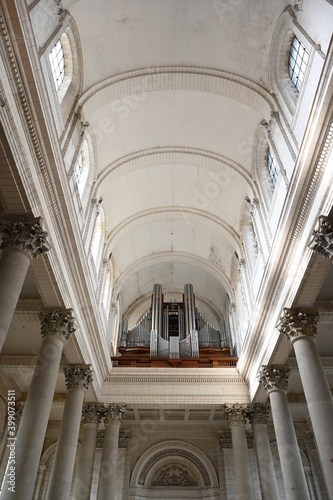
172, 256
279, 77
161, 213
73, 81
173, 449
142, 81
206, 160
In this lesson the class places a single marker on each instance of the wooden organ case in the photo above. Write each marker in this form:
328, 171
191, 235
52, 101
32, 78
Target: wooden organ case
174, 334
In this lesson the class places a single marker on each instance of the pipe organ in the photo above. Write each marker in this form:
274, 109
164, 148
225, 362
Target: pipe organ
173, 330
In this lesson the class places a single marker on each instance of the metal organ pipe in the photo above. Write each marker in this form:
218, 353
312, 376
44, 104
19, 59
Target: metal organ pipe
157, 308
189, 309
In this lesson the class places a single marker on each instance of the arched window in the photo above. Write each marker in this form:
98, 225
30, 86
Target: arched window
96, 239
81, 168
272, 166
57, 61
298, 60
61, 61
107, 293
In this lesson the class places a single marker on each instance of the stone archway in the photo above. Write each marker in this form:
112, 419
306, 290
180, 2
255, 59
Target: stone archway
173, 469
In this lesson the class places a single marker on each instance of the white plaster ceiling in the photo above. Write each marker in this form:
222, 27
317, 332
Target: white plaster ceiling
174, 92
211, 34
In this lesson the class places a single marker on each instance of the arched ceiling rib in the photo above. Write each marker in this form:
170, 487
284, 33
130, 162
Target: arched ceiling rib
191, 120
186, 214
173, 270
140, 82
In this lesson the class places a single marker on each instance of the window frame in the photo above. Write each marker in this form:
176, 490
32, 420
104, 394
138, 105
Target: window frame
272, 166
300, 57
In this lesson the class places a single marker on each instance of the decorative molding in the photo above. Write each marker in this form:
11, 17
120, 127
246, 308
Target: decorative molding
124, 437
92, 413
298, 323
19, 407
236, 414
274, 377
100, 438
25, 235
225, 439
322, 242
57, 323
258, 413
78, 377
114, 414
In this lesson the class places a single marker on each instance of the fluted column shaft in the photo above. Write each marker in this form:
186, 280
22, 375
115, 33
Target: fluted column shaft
56, 327
91, 418
299, 326
258, 414
77, 381
237, 418
21, 241
275, 380
107, 476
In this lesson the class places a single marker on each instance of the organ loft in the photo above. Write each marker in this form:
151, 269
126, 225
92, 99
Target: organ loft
175, 334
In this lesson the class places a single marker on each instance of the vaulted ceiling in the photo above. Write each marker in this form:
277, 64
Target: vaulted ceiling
174, 92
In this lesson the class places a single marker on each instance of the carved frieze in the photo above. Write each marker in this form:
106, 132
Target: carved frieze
298, 323
25, 235
58, 323
274, 377
174, 475
78, 377
92, 413
174, 452
322, 241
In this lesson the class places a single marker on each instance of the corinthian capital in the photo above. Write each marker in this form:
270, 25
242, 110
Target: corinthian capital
25, 235
322, 241
114, 414
258, 413
235, 413
297, 323
92, 413
274, 377
57, 323
78, 377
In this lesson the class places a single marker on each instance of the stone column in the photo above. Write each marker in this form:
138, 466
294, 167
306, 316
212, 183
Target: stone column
56, 327
236, 415
299, 326
78, 379
114, 415
91, 417
275, 380
258, 414
21, 241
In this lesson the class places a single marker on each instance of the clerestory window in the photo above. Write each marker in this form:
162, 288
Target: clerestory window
272, 167
82, 167
298, 60
57, 61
